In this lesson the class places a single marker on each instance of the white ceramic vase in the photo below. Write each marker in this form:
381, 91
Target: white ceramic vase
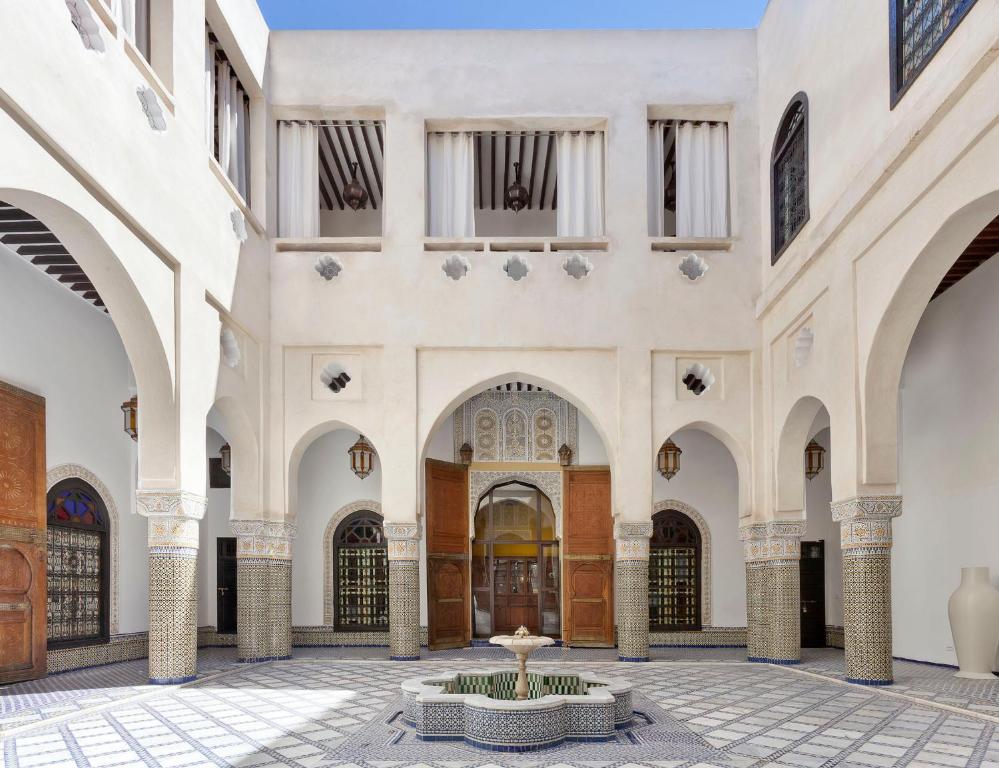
973, 610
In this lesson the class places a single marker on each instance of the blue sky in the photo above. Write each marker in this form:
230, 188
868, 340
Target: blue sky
511, 14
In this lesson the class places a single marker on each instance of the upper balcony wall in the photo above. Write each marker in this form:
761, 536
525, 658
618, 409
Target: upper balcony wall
505, 79
838, 54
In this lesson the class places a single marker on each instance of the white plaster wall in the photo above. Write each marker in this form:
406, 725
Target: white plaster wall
55, 344
591, 447
820, 526
325, 484
214, 525
949, 437
708, 481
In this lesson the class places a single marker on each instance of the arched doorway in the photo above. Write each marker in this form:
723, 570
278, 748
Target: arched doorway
360, 574
515, 563
675, 573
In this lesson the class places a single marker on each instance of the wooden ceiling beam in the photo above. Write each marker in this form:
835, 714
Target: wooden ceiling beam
534, 164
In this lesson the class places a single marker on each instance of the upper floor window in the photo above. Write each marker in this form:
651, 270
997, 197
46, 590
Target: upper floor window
918, 30
330, 178
77, 565
515, 183
135, 19
227, 116
789, 176
688, 179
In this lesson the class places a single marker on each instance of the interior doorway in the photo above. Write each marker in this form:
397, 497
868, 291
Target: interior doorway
813, 594
516, 575
226, 584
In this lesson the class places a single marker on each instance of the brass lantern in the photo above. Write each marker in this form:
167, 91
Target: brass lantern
565, 455
225, 456
130, 409
516, 197
354, 194
362, 456
466, 452
668, 460
815, 460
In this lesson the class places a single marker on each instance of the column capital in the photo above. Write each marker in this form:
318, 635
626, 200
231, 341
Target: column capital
772, 540
631, 539
265, 539
403, 540
866, 507
171, 503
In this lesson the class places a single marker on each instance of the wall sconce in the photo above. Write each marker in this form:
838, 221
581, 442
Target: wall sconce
362, 456
668, 460
130, 408
565, 455
225, 456
814, 459
354, 194
466, 452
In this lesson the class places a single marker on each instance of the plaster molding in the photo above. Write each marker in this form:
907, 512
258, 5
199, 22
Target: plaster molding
364, 505
403, 540
866, 507
707, 561
182, 504
263, 539
548, 481
62, 472
170, 533
772, 540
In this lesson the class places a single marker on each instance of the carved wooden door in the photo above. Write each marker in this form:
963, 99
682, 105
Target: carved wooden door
449, 597
23, 606
588, 545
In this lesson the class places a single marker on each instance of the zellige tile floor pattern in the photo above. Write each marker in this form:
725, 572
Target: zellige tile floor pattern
702, 707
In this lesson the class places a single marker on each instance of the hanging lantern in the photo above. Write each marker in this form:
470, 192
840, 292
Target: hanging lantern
466, 452
517, 195
815, 460
225, 456
362, 456
130, 409
565, 455
668, 460
354, 194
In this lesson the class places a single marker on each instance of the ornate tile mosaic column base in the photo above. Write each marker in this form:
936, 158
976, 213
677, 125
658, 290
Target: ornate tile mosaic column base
404, 590
865, 537
773, 598
173, 583
263, 576
632, 590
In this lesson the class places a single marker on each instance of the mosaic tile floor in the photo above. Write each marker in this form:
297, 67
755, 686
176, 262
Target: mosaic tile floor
704, 708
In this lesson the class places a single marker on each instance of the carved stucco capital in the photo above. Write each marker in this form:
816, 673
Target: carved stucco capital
182, 504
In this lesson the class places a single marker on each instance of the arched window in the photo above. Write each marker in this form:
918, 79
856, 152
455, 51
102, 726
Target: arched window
78, 565
674, 573
789, 176
360, 584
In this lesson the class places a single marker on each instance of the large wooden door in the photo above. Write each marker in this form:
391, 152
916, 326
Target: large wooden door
588, 546
23, 608
449, 596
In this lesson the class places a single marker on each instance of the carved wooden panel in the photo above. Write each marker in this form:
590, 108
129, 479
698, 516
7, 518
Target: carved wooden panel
448, 579
588, 539
22, 535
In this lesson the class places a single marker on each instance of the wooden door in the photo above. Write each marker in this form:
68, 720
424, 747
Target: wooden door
516, 596
449, 596
23, 597
812, 573
225, 583
588, 552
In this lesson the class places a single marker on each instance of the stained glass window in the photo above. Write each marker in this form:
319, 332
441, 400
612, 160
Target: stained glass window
77, 565
674, 573
361, 571
789, 176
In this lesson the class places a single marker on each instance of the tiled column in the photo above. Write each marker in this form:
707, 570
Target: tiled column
263, 589
632, 572
404, 590
865, 537
173, 582
773, 600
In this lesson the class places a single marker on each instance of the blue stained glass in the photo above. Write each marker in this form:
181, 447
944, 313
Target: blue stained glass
75, 506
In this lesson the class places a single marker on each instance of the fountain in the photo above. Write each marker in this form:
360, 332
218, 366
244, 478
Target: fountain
516, 711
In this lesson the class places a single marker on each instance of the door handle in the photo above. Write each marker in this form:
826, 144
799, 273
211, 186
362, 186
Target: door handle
221, 590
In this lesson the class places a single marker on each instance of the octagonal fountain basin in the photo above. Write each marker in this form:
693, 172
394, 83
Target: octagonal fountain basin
481, 709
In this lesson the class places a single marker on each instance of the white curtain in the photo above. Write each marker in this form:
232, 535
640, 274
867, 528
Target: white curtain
702, 180
298, 180
209, 92
580, 210
451, 173
223, 82
657, 179
237, 148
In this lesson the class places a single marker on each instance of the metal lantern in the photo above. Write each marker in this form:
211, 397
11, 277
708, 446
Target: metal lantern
225, 456
517, 196
565, 455
668, 460
354, 194
815, 460
466, 452
362, 456
130, 408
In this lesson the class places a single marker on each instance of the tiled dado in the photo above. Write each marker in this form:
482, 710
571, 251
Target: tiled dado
631, 571
124, 647
709, 637
404, 590
327, 636
773, 606
263, 583
834, 636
